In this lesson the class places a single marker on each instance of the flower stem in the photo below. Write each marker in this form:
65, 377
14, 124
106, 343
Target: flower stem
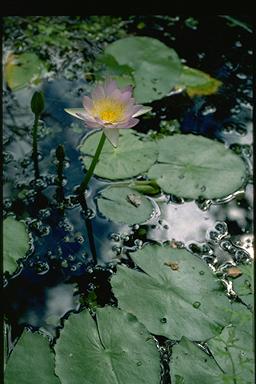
95, 159
35, 151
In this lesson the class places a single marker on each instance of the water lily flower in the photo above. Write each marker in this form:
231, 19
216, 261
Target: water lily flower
109, 108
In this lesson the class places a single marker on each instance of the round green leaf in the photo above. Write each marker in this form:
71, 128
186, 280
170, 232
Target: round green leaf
15, 243
177, 295
22, 70
233, 348
114, 348
124, 205
198, 82
133, 156
190, 364
31, 361
156, 66
191, 166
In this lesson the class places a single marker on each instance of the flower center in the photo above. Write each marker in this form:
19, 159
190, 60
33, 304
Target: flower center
110, 111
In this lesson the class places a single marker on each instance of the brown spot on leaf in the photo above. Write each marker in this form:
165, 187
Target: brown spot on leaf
173, 265
233, 272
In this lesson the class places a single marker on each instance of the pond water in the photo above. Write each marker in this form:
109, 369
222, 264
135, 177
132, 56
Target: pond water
59, 271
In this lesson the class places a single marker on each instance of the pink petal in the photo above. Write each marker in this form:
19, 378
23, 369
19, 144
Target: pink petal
127, 89
141, 111
125, 97
109, 87
87, 103
92, 124
98, 93
129, 123
112, 135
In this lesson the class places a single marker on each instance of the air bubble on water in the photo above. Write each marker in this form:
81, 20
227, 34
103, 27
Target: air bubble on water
241, 76
88, 214
64, 264
91, 287
208, 109
241, 255
73, 268
196, 304
117, 249
115, 237
221, 227
139, 363
163, 320
41, 267
201, 272
138, 243
203, 188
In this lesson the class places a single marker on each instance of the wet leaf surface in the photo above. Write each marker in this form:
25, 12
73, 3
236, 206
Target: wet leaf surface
31, 361
132, 157
191, 166
113, 348
16, 243
156, 66
177, 295
124, 205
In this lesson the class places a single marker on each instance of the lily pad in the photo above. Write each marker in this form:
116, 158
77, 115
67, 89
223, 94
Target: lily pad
190, 364
133, 156
197, 82
15, 243
124, 205
242, 285
23, 70
233, 348
191, 166
31, 361
113, 348
177, 295
156, 67
109, 67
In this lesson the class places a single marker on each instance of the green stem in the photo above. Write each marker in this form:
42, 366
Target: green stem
95, 159
35, 151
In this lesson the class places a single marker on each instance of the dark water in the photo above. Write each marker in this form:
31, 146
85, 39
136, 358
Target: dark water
58, 274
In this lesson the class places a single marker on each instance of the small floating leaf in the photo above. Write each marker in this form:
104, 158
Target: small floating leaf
22, 70
15, 243
156, 67
197, 82
113, 348
172, 288
124, 205
191, 166
134, 155
31, 361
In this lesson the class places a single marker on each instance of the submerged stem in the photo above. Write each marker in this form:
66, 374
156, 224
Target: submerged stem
95, 159
34, 149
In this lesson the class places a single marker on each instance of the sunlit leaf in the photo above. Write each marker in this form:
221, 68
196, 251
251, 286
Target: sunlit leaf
23, 70
112, 348
156, 67
133, 156
124, 205
178, 295
191, 166
197, 82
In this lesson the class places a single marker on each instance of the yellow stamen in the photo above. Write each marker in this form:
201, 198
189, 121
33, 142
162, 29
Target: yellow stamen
108, 110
